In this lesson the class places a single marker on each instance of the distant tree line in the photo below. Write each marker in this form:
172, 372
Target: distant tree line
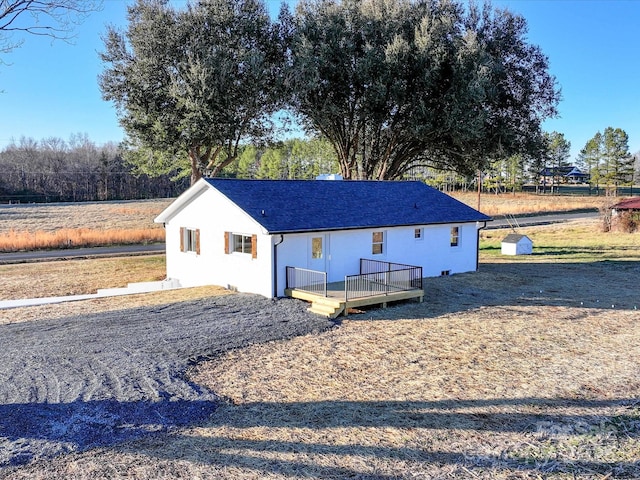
605, 159
305, 159
300, 159
53, 170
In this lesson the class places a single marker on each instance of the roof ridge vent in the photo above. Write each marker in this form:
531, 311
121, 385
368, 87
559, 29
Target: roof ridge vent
329, 176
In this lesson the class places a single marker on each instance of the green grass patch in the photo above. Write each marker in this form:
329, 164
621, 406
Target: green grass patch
582, 242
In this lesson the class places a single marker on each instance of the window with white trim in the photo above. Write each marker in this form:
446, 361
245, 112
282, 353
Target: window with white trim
241, 243
418, 234
377, 243
455, 236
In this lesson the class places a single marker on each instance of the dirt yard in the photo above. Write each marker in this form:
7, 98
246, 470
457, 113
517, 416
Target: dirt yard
521, 370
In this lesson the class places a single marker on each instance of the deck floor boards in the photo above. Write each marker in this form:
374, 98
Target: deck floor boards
336, 296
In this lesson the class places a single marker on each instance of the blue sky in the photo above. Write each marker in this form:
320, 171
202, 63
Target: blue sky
50, 89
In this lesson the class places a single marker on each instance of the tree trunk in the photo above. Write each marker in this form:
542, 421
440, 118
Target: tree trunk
194, 158
479, 188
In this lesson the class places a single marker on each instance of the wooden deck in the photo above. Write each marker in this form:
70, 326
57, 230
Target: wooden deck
335, 303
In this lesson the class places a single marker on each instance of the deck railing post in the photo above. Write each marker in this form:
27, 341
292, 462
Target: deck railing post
325, 283
288, 282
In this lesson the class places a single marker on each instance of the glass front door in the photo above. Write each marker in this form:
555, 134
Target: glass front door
318, 253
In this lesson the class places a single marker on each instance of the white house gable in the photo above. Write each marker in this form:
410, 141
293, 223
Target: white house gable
232, 249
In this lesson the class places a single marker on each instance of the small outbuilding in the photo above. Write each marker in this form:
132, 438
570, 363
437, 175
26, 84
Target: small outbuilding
516, 244
625, 215
631, 205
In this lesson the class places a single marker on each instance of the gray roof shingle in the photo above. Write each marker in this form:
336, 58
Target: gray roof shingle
287, 206
514, 238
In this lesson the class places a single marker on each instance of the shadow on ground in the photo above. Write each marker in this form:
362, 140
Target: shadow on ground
31, 429
68, 384
77, 426
532, 418
311, 455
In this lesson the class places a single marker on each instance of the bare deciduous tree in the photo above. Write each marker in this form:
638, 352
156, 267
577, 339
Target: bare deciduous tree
50, 18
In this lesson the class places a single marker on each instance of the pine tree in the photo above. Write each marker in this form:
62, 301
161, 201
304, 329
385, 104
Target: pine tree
558, 149
590, 159
617, 160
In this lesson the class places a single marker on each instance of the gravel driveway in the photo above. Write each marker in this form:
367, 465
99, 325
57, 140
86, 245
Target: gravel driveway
79, 382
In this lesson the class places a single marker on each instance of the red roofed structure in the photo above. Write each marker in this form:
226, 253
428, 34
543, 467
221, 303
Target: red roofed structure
625, 215
628, 204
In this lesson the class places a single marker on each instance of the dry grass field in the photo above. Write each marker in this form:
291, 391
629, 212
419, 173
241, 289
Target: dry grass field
50, 226
576, 241
528, 203
76, 277
93, 215
526, 369
107, 304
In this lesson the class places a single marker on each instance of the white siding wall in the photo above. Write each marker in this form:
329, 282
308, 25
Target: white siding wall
213, 266
433, 252
522, 247
508, 248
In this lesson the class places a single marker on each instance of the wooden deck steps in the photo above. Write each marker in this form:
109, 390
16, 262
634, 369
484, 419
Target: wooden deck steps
327, 307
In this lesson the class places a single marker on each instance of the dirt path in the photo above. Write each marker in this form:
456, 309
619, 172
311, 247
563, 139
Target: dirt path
79, 382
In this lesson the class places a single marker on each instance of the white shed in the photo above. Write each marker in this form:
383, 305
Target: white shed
243, 234
516, 244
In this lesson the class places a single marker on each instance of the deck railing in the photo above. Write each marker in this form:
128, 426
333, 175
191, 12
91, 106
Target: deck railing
311, 281
376, 266
376, 278
382, 278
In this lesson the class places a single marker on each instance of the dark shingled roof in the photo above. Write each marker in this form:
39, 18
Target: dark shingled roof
514, 238
287, 206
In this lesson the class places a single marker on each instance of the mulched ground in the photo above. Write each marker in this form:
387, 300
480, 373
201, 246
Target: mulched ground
73, 383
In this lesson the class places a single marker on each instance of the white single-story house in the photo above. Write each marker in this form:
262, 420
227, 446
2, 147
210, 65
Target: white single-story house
242, 234
516, 244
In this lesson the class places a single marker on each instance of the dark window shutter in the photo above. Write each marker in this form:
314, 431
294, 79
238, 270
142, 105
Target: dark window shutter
198, 241
182, 239
254, 246
226, 242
